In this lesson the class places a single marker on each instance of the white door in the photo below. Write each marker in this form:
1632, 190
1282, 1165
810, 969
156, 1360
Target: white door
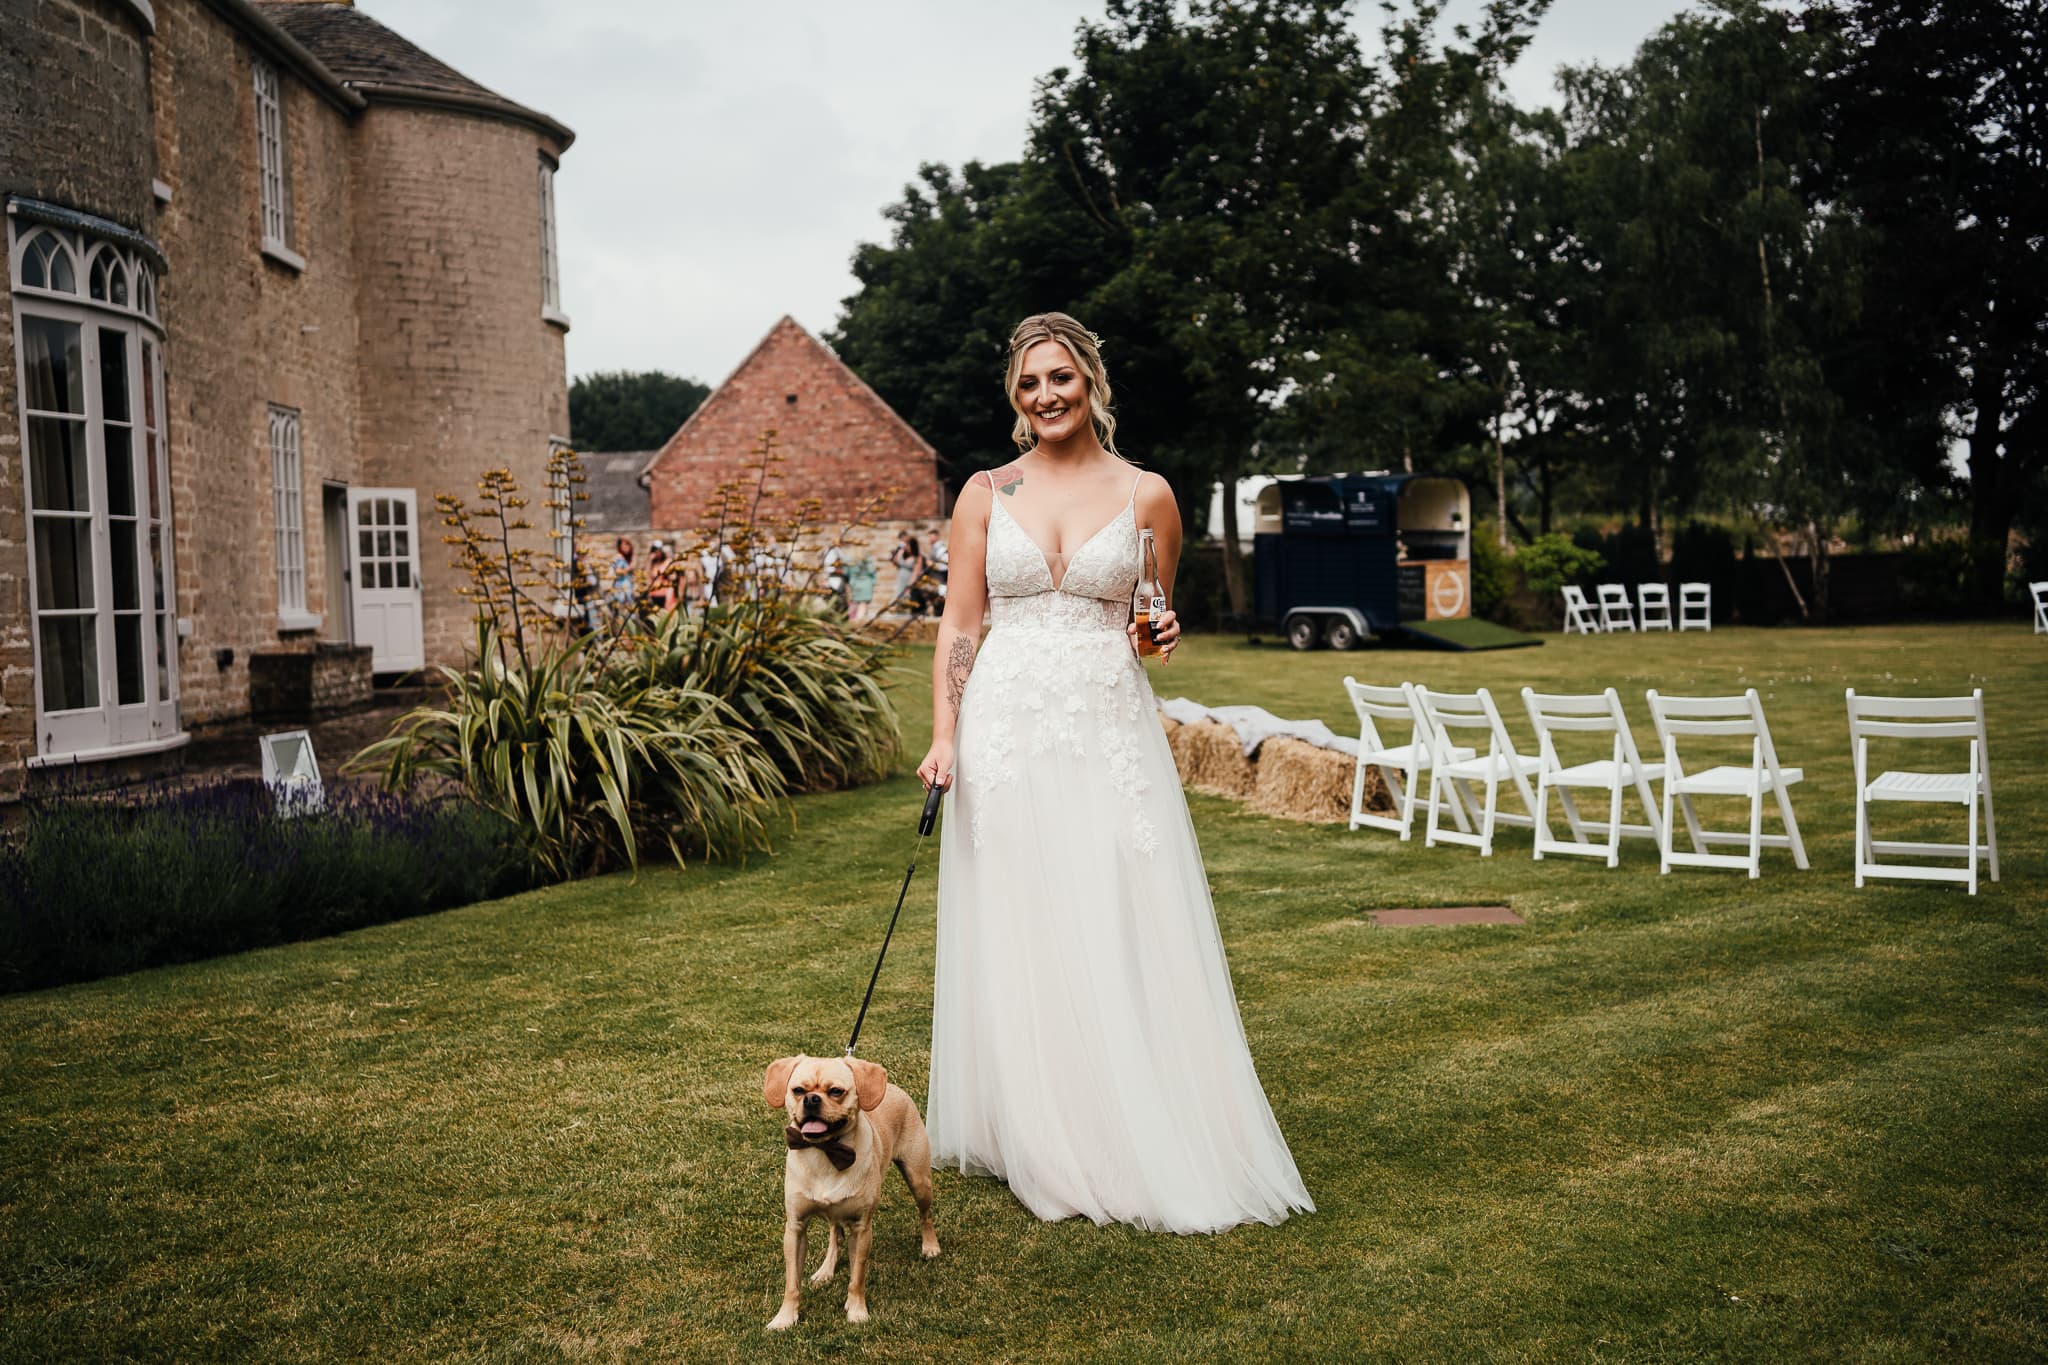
384, 568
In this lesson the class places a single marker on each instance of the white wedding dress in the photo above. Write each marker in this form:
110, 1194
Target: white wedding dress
1086, 1045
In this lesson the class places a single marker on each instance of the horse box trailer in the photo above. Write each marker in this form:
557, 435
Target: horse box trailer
1346, 558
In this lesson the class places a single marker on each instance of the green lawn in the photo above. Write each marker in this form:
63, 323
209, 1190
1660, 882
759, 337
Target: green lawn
1671, 1117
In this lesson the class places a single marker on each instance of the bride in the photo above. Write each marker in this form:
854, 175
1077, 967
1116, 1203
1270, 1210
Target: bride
1086, 1045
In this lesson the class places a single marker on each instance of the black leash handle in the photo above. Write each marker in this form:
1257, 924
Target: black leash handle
925, 822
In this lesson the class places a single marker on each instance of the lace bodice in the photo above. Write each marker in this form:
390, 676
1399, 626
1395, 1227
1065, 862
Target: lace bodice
1094, 595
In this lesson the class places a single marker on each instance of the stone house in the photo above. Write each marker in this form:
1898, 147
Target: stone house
840, 443
275, 277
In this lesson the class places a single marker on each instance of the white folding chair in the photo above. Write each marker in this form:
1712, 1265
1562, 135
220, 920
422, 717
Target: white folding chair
1615, 611
1593, 713
1399, 764
1696, 606
1923, 718
1451, 777
1578, 612
2040, 592
1727, 717
1653, 602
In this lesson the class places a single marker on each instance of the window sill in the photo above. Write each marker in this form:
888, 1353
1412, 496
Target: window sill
285, 256
147, 746
291, 621
555, 318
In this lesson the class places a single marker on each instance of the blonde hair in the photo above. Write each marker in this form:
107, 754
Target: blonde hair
1086, 348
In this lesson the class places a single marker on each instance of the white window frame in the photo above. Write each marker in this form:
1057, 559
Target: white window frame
288, 506
550, 259
106, 726
561, 523
273, 180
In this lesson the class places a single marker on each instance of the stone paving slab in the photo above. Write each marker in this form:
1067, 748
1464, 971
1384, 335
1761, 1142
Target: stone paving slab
1448, 914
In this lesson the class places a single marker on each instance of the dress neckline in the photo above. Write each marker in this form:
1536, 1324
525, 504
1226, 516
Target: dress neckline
1044, 559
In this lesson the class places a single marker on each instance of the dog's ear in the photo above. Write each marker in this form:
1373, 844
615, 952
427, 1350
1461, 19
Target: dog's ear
775, 1085
870, 1081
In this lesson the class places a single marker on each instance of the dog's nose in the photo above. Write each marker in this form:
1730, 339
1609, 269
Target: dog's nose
811, 1103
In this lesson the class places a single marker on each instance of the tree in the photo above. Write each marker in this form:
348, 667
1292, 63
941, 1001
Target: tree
1939, 120
970, 255
1725, 287
618, 410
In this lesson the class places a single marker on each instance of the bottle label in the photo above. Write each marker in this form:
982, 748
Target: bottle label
1155, 607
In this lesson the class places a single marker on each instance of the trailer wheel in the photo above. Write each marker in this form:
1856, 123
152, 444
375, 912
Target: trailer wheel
1340, 634
1303, 631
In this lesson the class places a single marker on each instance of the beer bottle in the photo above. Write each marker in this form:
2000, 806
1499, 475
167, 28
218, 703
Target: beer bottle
1148, 599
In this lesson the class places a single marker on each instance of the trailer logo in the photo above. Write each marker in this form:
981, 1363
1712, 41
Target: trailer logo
1446, 590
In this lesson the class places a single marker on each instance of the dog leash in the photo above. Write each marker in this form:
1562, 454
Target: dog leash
924, 827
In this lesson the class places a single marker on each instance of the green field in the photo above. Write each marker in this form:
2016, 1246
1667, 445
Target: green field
1679, 1117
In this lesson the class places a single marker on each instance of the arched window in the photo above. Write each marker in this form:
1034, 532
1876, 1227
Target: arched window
45, 261
103, 602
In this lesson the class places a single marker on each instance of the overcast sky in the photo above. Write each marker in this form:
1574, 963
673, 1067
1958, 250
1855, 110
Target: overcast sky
730, 156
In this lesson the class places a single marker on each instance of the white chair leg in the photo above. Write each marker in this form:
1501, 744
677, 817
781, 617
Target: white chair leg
1792, 828
1862, 835
1429, 828
1756, 831
1357, 790
1990, 829
1972, 846
1664, 835
1542, 812
1692, 821
1402, 780
1614, 825
1486, 835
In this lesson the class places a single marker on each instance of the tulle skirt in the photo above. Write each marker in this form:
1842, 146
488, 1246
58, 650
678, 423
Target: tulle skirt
1086, 1044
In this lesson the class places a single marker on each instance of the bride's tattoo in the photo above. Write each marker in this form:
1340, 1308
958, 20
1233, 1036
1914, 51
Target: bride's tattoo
958, 665
1014, 477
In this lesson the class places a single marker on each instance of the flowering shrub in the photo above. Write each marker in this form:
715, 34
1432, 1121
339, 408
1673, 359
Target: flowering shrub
91, 885
601, 735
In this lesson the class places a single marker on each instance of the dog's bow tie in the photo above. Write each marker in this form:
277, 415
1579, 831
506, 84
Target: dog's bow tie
838, 1153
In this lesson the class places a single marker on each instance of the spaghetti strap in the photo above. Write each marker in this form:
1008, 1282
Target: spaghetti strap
1133, 499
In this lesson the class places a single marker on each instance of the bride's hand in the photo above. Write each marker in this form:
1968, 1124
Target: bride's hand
1166, 632
937, 767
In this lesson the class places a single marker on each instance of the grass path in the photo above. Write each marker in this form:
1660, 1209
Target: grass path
1670, 1118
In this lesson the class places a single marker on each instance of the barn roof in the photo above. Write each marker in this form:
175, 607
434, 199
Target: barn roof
787, 325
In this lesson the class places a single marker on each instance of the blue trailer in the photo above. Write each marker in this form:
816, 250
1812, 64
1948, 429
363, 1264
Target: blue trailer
1347, 558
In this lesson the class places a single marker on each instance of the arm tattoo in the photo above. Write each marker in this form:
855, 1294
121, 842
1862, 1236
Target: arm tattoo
959, 663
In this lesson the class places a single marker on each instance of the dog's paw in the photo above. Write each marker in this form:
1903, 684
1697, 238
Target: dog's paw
786, 1318
823, 1273
931, 1246
856, 1310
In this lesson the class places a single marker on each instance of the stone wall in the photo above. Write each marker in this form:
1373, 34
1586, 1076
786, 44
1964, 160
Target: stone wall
247, 331
298, 684
75, 106
460, 373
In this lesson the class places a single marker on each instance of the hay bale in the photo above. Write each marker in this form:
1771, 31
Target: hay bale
1298, 781
1211, 759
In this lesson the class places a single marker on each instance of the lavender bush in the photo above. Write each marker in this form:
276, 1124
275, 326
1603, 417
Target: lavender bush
94, 885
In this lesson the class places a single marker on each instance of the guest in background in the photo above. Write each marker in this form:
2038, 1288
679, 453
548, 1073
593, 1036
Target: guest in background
622, 572
661, 584
909, 563
860, 589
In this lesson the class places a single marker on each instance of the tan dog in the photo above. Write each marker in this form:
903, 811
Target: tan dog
847, 1124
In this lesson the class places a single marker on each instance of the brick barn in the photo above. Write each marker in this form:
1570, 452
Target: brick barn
275, 277
841, 443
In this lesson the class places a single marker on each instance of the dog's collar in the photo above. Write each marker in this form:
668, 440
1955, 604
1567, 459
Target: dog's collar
836, 1150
